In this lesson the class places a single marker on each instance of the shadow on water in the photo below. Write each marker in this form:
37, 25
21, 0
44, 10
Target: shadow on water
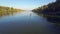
53, 25
54, 19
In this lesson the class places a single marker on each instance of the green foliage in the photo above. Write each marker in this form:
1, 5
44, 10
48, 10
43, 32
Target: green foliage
51, 11
8, 10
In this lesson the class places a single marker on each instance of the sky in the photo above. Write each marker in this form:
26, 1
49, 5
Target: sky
25, 4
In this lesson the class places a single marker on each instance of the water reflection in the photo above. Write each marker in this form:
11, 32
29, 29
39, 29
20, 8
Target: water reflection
8, 13
54, 25
27, 23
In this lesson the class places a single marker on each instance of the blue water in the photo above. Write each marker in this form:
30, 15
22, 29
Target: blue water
27, 22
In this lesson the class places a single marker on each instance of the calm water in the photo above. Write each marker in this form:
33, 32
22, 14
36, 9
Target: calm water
27, 23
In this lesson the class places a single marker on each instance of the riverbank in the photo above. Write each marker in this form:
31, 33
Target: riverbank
50, 11
8, 10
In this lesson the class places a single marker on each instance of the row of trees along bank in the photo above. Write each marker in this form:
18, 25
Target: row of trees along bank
8, 10
50, 11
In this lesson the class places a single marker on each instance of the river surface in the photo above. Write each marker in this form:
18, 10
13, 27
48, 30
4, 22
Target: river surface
27, 22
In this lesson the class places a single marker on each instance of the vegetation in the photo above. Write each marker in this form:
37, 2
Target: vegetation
8, 10
51, 11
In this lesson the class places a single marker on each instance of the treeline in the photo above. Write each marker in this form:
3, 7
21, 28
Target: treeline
8, 10
51, 11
